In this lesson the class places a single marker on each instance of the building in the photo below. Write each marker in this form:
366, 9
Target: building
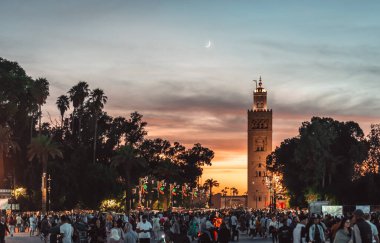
220, 201
259, 147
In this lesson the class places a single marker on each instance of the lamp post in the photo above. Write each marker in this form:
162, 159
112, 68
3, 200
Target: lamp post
256, 198
49, 191
225, 196
268, 181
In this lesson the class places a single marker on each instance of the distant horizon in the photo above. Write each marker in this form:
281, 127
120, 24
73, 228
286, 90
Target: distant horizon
153, 57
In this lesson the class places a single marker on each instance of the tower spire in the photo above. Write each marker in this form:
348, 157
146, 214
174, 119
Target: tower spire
260, 83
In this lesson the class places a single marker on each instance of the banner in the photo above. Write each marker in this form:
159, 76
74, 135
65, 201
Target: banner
332, 210
364, 208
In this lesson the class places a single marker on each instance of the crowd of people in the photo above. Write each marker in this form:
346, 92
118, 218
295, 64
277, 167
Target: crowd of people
203, 226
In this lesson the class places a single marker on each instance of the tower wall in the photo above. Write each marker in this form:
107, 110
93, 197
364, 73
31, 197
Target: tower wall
259, 147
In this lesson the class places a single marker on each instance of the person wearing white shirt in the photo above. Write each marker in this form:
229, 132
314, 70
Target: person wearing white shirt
252, 226
300, 232
274, 225
32, 225
66, 230
143, 229
18, 222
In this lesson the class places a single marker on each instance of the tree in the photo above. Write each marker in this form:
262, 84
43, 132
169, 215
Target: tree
320, 160
209, 184
373, 160
135, 130
234, 191
6, 143
224, 194
63, 105
155, 151
21, 99
96, 104
42, 148
40, 91
192, 161
129, 164
78, 94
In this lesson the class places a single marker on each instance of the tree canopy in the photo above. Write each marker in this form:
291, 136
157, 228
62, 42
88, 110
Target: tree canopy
322, 161
93, 144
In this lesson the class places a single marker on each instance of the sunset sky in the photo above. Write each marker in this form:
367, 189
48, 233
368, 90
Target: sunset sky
315, 57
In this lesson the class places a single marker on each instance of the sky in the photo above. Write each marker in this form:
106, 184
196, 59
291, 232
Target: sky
316, 58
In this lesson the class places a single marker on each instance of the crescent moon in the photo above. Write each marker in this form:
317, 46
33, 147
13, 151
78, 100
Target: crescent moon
208, 44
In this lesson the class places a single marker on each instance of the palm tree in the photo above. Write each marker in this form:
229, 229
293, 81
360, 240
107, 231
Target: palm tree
6, 142
97, 101
235, 191
63, 105
210, 183
128, 159
40, 92
224, 194
78, 94
42, 148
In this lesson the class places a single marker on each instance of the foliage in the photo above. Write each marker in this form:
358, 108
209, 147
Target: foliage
320, 161
95, 146
110, 205
208, 185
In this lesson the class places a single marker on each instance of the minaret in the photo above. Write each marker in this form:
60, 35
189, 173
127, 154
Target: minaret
259, 147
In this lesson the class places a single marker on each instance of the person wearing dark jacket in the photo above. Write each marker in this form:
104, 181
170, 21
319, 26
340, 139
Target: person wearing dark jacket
361, 231
98, 232
285, 233
3, 230
224, 234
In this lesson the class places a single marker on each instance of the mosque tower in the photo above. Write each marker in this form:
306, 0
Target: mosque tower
259, 147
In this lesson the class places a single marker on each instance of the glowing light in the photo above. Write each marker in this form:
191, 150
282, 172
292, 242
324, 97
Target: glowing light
20, 192
110, 205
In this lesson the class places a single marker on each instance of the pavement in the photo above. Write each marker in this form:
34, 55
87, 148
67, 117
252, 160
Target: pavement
24, 237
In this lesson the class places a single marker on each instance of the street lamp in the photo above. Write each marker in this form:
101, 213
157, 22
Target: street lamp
269, 182
49, 191
256, 197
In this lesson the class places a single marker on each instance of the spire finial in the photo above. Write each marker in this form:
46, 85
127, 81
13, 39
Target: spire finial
260, 83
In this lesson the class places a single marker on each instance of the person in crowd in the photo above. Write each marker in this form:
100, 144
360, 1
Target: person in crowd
81, 229
343, 234
224, 234
284, 233
234, 224
259, 230
300, 231
143, 229
98, 232
156, 227
193, 228
274, 226
12, 225
130, 236
118, 227
204, 231
182, 238
3, 230
115, 236
375, 232
45, 227
361, 231
252, 226
66, 230
316, 232
19, 223
264, 225
210, 228
32, 225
